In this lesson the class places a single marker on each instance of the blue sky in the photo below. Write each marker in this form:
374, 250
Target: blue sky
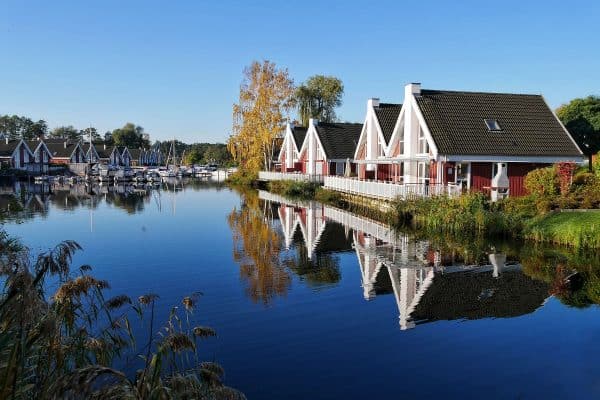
175, 67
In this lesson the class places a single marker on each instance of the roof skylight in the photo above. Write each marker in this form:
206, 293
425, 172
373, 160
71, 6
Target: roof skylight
492, 125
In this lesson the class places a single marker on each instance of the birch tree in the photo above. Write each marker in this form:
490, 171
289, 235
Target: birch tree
265, 100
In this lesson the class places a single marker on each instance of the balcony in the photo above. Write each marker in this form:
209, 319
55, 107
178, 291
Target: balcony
389, 190
289, 176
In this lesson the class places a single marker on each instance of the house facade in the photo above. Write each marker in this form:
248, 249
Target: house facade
41, 156
464, 140
91, 152
15, 154
328, 148
289, 155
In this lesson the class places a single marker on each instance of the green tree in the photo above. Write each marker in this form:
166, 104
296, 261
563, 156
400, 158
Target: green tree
85, 134
66, 132
193, 156
15, 126
130, 135
582, 118
318, 98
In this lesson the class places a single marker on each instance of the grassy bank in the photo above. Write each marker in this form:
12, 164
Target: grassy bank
576, 229
294, 189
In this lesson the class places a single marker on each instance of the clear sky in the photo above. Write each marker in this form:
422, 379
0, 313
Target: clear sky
174, 67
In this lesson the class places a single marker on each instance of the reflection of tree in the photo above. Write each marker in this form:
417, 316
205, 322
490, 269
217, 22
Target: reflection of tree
574, 277
322, 269
257, 248
130, 202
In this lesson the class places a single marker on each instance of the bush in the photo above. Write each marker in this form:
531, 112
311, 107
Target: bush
542, 182
294, 189
242, 178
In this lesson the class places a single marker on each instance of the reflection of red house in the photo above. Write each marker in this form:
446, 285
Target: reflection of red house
468, 140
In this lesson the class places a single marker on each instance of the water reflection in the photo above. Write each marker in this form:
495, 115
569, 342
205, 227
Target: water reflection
23, 200
275, 237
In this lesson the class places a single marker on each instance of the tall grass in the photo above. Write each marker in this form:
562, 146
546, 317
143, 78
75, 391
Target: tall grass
471, 213
65, 345
294, 189
576, 229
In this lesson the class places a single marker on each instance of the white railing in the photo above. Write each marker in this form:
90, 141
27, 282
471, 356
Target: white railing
289, 176
388, 190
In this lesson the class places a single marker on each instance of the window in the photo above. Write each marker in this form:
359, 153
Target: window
492, 125
423, 145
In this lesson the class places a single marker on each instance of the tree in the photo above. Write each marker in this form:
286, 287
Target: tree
38, 129
108, 138
130, 135
193, 156
22, 127
91, 131
582, 118
66, 132
265, 99
318, 98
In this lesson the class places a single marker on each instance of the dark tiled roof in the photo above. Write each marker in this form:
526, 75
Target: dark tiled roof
33, 144
135, 153
6, 149
299, 133
102, 152
456, 122
387, 115
339, 140
86, 147
58, 149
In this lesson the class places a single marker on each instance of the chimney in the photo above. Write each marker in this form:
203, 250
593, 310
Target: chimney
313, 122
65, 144
374, 102
413, 89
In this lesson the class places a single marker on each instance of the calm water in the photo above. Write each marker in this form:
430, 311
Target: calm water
313, 302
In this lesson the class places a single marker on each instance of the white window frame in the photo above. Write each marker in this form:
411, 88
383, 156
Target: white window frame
422, 143
423, 175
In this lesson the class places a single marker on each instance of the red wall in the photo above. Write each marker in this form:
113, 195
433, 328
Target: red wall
481, 177
516, 177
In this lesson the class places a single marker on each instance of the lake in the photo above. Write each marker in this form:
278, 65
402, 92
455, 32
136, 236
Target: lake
310, 301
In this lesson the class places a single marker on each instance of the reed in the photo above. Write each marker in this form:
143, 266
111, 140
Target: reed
65, 345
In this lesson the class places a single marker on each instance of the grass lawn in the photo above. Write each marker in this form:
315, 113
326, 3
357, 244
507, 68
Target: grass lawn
577, 229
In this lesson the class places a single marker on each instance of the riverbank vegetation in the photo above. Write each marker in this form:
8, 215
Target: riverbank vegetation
66, 344
555, 211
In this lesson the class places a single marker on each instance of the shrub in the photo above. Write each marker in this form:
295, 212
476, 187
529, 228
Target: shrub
294, 189
542, 182
242, 178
